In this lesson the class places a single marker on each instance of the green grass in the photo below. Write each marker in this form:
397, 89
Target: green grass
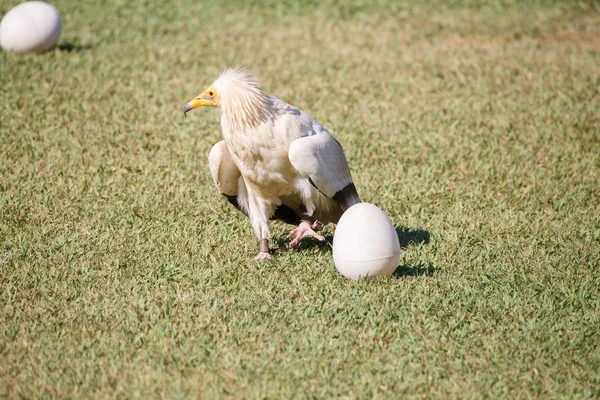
475, 125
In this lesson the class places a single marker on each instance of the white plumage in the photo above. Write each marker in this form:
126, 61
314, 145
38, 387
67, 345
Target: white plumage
276, 162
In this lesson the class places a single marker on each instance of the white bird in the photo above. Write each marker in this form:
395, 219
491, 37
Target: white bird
276, 162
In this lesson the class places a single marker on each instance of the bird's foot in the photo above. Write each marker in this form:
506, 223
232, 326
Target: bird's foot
263, 251
306, 228
263, 256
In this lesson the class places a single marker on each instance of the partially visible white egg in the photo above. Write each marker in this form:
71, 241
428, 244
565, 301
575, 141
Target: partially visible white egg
30, 27
365, 243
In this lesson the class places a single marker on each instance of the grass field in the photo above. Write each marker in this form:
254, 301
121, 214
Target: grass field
475, 125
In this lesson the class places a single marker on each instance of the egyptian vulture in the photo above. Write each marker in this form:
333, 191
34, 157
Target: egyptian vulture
276, 162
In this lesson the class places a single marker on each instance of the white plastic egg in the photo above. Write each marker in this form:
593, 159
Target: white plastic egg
365, 243
30, 27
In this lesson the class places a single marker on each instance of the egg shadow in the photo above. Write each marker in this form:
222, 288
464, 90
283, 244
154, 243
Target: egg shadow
409, 237
73, 48
419, 270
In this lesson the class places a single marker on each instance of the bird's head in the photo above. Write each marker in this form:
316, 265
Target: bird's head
239, 96
210, 97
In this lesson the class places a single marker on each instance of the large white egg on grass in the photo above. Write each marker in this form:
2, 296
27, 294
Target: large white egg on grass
365, 243
30, 27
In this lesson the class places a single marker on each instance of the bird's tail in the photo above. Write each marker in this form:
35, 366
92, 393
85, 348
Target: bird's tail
347, 197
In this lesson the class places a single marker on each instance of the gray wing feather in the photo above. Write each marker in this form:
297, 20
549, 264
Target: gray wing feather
317, 155
321, 160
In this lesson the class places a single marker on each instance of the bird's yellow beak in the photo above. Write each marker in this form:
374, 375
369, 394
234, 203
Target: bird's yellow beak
206, 98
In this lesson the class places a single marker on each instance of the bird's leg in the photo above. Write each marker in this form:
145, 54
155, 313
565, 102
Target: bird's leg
259, 211
263, 251
308, 227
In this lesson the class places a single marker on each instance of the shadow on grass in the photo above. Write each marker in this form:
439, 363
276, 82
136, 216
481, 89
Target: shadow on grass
419, 270
408, 237
307, 243
73, 48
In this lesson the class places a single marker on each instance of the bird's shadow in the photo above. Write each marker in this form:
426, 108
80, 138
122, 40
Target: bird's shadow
407, 237
73, 47
322, 246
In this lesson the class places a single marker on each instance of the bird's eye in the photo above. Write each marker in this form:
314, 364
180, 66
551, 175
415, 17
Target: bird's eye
210, 94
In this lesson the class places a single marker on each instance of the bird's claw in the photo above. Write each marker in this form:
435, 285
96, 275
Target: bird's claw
317, 226
303, 230
263, 256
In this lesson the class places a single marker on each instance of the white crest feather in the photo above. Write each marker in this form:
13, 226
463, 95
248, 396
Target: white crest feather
243, 101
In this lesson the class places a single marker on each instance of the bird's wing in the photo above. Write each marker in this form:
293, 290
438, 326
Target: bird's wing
319, 158
227, 176
224, 172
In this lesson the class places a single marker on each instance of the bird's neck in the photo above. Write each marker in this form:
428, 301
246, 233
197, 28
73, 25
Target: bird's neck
246, 110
